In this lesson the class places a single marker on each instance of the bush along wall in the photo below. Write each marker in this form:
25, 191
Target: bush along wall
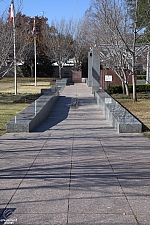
141, 77
117, 89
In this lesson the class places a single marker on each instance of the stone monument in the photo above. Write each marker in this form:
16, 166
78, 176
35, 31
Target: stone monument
94, 69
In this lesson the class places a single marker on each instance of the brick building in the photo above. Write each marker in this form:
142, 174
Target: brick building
109, 77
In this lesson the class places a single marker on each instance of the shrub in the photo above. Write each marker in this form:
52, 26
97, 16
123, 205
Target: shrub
114, 89
141, 77
118, 88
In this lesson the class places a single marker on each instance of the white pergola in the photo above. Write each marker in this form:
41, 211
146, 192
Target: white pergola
106, 52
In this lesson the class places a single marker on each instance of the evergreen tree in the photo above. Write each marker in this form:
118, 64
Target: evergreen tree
141, 16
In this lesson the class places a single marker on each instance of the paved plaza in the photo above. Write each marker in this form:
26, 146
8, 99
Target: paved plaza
75, 169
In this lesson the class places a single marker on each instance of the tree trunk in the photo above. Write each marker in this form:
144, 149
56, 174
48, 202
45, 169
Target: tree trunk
125, 82
123, 88
31, 67
127, 89
133, 53
59, 71
134, 78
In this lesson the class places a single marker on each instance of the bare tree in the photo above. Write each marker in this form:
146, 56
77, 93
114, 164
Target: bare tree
59, 41
7, 41
104, 18
81, 45
111, 24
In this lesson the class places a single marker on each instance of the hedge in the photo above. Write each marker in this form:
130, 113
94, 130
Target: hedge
141, 77
117, 89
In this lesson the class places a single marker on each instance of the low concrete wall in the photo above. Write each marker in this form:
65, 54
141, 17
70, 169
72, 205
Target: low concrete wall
117, 115
61, 84
62, 81
34, 114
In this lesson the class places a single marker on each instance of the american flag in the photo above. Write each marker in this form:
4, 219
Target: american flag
11, 11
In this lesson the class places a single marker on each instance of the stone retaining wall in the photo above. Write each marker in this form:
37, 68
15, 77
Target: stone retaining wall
116, 114
35, 113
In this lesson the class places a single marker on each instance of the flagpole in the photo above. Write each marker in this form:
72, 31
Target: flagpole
35, 50
35, 57
14, 39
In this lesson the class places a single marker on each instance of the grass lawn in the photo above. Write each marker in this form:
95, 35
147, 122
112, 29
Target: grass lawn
11, 104
27, 92
8, 111
140, 109
25, 85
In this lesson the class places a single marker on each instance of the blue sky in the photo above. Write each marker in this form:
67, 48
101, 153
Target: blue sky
52, 9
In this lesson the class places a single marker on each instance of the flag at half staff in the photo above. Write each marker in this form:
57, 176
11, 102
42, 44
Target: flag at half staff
11, 11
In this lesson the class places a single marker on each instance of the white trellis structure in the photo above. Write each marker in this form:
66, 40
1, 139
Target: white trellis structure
104, 53
107, 52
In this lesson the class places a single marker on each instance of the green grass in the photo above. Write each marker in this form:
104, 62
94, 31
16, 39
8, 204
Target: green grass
27, 92
7, 112
11, 105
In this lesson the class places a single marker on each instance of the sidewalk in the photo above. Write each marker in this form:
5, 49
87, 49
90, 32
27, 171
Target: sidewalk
75, 169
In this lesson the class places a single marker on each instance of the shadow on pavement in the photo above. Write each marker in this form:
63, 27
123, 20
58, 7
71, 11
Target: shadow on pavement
58, 114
